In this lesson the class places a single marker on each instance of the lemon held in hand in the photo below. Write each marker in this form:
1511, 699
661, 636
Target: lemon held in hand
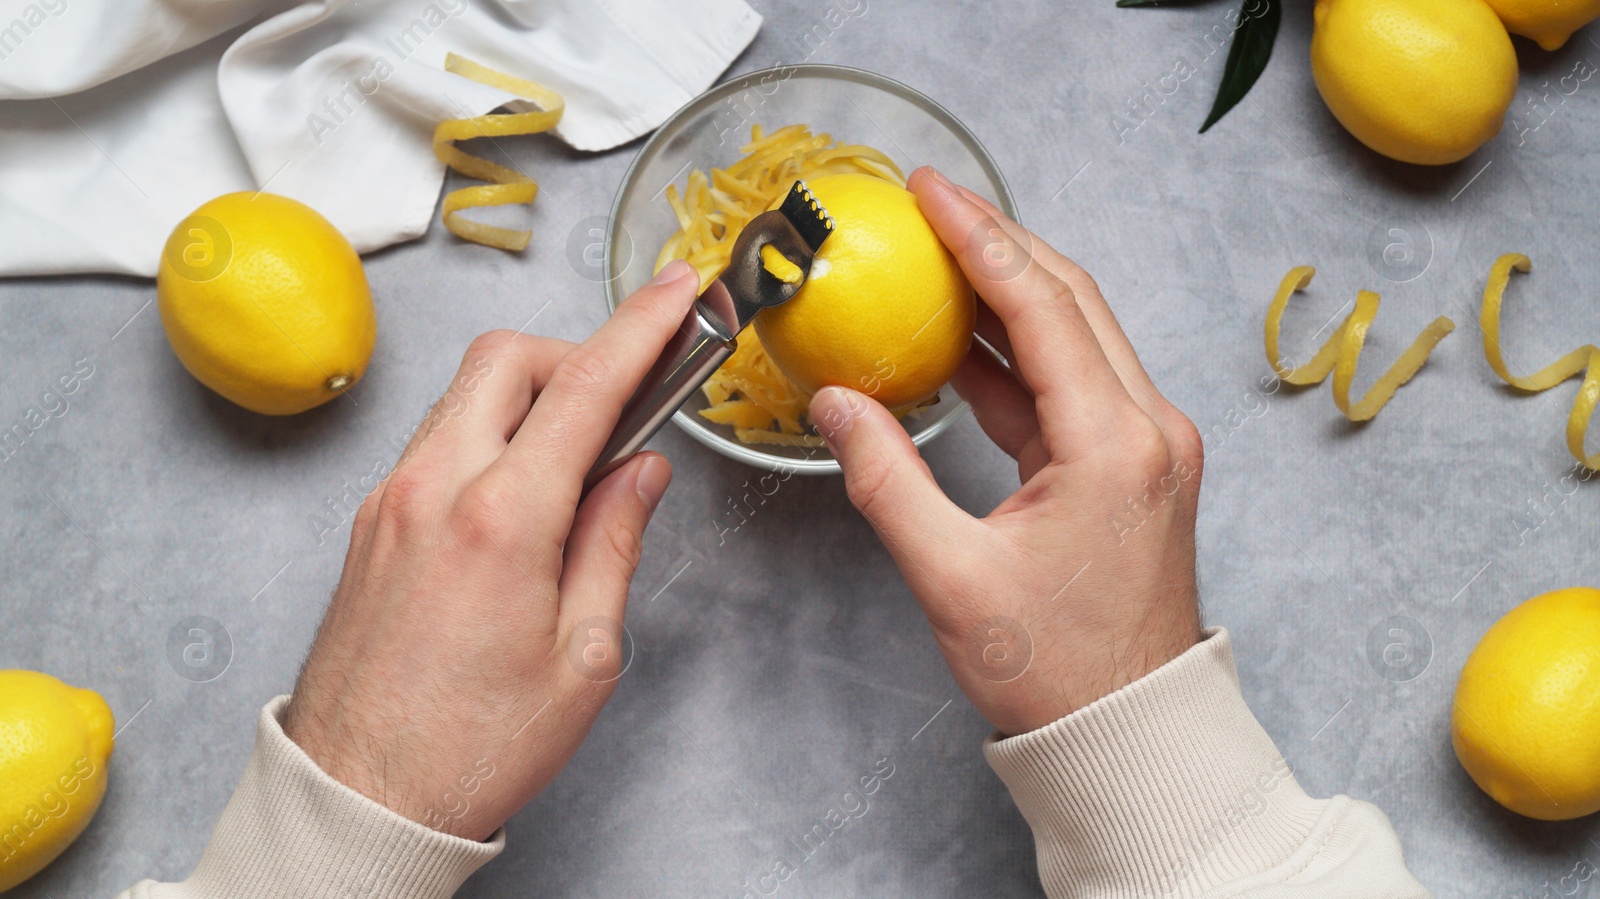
885, 310
265, 302
55, 741
1526, 720
1422, 81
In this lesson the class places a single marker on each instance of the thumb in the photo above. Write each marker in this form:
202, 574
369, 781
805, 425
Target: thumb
887, 479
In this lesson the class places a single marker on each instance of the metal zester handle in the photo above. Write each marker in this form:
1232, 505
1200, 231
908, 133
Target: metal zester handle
699, 347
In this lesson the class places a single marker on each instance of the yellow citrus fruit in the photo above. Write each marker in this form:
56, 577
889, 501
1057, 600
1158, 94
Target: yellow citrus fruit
1526, 719
885, 310
1422, 81
265, 302
1547, 22
55, 741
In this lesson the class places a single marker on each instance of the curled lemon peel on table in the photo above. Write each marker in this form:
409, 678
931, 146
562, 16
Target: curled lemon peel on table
749, 392
1342, 351
1584, 360
508, 186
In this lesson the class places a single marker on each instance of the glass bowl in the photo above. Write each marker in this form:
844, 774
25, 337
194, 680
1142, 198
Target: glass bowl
854, 106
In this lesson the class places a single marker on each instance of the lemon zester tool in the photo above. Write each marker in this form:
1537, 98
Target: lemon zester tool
708, 336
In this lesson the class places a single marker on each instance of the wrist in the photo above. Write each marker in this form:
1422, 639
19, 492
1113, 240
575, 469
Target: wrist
1106, 788
378, 767
1053, 685
288, 816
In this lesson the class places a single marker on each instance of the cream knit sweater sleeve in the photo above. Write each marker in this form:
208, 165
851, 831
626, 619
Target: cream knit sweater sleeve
1169, 787
292, 832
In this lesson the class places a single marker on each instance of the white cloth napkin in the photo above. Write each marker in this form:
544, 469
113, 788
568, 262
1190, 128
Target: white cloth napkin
119, 117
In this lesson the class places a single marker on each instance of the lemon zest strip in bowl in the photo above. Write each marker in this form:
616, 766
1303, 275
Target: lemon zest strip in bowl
508, 186
1584, 359
777, 438
1341, 352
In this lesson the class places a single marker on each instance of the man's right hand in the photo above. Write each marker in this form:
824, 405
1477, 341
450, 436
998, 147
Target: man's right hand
1084, 579
477, 629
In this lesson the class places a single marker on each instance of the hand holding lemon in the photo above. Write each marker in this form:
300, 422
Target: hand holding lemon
1072, 404
885, 311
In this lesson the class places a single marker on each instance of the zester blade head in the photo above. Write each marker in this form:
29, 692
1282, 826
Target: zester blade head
807, 215
795, 229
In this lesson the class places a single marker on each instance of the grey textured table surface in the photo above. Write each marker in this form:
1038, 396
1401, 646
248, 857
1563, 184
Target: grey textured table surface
774, 669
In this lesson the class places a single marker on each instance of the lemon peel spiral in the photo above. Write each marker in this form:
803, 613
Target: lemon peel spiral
1584, 360
1342, 351
508, 186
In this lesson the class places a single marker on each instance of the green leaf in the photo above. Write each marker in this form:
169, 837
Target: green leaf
1252, 47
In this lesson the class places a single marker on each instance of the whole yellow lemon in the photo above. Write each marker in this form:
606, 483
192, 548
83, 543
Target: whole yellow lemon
1548, 22
55, 741
885, 310
265, 302
1526, 719
1422, 81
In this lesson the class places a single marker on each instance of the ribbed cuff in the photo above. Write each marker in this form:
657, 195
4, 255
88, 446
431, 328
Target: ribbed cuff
290, 830
1166, 787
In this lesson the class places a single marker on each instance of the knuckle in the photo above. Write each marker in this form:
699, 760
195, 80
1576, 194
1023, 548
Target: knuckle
367, 514
407, 502
662, 309
482, 510
606, 669
1144, 443
491, 343
584, 371
1048, 307
1059, 312
1078, 275
595, 648
999, 248
627, 544
870, 485
1188, 447
1059, 296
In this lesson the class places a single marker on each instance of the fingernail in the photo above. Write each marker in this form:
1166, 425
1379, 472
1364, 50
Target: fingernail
939, 177
669, 273
834, 412
655, 473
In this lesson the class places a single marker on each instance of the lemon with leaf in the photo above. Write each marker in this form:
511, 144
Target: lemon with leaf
1421, 81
